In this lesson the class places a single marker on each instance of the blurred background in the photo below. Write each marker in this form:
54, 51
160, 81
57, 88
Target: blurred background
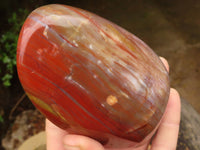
170, 28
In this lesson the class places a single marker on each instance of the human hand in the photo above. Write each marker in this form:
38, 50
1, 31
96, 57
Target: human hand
165, 138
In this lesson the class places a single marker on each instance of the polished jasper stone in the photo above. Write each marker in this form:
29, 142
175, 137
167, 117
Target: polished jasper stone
90, 76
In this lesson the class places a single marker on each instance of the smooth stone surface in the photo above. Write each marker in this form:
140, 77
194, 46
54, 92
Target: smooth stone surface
89, 75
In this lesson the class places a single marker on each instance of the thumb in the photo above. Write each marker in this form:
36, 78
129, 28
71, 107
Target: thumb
79, 142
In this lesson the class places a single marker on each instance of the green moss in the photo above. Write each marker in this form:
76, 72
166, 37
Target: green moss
8, 46
1, 119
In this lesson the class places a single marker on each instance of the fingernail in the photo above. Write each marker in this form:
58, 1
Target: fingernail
69, 147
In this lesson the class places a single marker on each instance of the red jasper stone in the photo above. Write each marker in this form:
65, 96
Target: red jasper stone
90, 76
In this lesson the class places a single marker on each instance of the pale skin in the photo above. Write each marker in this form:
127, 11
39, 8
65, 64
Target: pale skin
165, 138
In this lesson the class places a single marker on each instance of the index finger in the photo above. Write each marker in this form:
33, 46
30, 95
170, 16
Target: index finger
167, 134
164, 61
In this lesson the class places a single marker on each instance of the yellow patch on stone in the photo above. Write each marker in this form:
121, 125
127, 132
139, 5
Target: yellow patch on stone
54, 106
119, 37
111, 100
41, 103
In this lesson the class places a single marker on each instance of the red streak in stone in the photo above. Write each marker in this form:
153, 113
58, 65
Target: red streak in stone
67, 41
93, 22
